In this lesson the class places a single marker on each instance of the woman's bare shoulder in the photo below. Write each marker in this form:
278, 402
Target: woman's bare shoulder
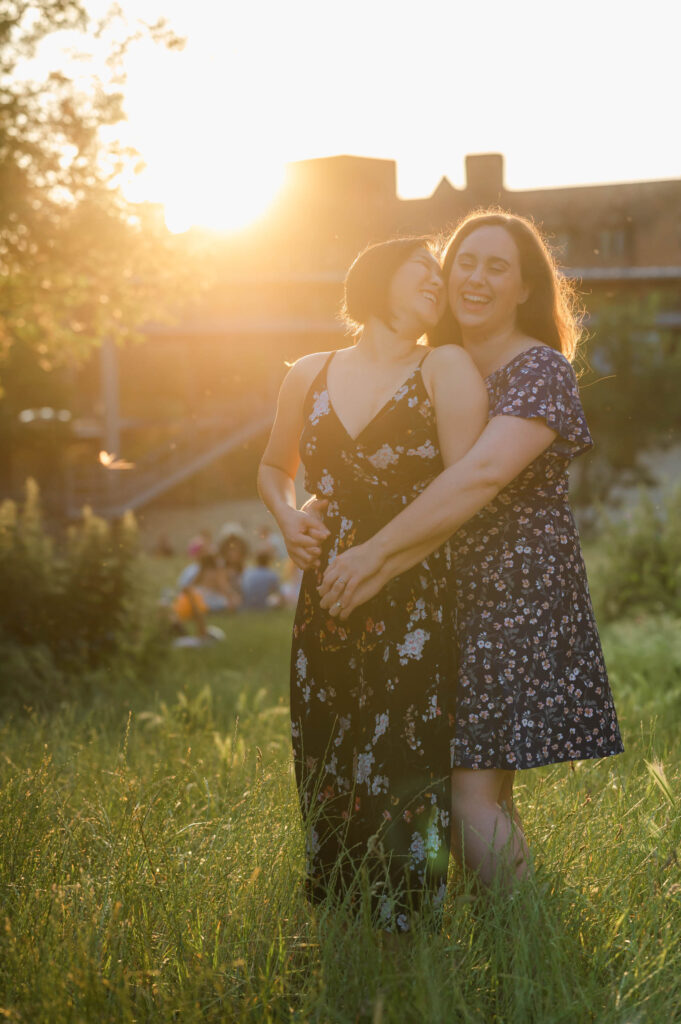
302, 373
451, 361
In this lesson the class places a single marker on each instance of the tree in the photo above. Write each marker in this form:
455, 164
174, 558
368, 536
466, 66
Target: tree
77, 262
630, 391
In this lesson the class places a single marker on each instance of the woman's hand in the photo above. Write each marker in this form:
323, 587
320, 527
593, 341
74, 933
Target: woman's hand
353, 577
316, 507
303, 535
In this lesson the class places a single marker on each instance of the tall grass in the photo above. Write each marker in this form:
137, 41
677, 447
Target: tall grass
151, 865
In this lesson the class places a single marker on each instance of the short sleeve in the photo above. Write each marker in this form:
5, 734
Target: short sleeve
541, 384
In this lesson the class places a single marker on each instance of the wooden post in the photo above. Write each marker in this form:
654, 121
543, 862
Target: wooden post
110, 398
109, 392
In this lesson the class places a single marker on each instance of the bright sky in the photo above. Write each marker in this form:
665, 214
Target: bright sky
570, 93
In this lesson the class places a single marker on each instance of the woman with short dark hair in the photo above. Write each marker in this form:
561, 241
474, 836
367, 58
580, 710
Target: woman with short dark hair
374, 423
533, 688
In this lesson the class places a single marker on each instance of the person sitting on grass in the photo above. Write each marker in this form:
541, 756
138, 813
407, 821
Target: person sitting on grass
190, 605
232, 550
260, 584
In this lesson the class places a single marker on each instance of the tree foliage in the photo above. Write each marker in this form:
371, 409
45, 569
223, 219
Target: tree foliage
629, 390
69, 606
77, 262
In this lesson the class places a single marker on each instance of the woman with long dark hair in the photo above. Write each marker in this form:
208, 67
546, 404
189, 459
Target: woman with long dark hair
374, 423
532, 683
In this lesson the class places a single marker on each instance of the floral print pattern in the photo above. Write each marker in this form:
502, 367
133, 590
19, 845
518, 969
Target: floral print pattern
533, 687
371, 719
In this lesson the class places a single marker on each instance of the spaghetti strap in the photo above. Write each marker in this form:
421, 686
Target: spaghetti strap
424, 357
327, 363
319, 377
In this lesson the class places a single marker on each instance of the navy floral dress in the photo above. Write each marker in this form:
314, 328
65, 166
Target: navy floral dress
533, 688
371, 722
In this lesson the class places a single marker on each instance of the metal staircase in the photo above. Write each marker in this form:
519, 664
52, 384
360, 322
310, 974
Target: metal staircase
111, 492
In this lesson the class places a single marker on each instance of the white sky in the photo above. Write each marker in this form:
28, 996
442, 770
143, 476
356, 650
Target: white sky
570, 93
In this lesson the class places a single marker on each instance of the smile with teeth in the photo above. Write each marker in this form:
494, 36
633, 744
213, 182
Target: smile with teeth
430, 296
479, 299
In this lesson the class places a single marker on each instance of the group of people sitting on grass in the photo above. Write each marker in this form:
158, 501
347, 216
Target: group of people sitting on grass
219, 580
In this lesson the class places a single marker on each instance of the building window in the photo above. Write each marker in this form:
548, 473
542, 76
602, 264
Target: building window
613, 244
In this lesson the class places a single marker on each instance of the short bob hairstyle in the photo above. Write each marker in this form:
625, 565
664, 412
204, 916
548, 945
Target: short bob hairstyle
367, 283
551, 312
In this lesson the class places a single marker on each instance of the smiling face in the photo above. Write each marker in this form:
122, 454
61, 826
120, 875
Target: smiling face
416, 295
485, 284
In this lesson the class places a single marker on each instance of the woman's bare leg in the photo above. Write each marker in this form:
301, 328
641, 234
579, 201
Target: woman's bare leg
485, 835
506, 799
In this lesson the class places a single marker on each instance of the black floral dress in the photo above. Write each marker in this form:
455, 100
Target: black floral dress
533, 688
369, 697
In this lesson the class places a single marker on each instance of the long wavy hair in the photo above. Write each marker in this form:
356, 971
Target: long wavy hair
551, 312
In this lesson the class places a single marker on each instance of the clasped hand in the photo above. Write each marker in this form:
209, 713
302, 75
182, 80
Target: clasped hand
304, 532
350, 580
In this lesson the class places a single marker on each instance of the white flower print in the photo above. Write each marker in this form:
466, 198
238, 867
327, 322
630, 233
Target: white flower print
321, 407
386, 910
383, 457
379, 784
311, 847
363, 770
424, 451
432, 710
343, 726
382, 723
301, 665
326, 484
412, 646
433, 839
417, 848
419, 611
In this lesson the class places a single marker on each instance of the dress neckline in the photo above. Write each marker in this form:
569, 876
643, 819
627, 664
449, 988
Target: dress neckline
525, 352
355, 437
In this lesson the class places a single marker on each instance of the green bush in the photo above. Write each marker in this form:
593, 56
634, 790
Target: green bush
639, 561
69, 608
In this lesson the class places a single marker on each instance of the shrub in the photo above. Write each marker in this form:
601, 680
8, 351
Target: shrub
640, 561
71, 607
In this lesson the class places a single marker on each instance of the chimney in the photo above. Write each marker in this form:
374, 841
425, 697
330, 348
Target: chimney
485, 178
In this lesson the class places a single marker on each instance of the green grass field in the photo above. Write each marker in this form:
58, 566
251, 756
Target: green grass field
151, 864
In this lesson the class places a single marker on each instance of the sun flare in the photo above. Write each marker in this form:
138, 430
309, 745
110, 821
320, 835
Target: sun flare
207, 159
221, 198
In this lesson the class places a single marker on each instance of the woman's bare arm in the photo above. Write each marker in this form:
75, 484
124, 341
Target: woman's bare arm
303, 533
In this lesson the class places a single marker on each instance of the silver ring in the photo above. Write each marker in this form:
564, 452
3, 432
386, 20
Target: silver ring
337, 604
341, 579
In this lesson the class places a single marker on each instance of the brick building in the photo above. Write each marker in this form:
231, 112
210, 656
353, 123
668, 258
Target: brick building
201, 389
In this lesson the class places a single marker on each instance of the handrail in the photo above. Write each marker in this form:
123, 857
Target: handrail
111, 492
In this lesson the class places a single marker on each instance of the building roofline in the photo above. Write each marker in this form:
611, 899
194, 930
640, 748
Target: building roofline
623, 273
